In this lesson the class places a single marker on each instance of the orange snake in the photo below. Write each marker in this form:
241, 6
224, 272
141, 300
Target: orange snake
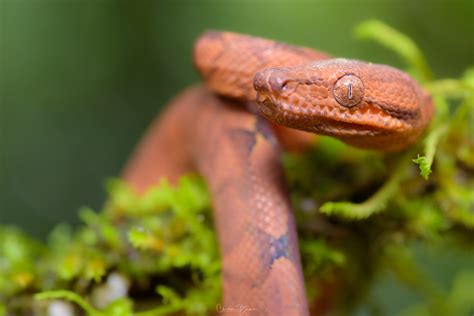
211, 128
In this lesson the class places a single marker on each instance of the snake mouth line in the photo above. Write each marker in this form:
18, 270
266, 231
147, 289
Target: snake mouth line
323, 120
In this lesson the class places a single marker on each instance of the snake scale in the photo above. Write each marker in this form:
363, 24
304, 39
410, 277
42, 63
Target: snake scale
231, 129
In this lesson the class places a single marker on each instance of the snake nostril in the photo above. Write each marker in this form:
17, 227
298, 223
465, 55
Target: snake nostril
260, 82
277, 83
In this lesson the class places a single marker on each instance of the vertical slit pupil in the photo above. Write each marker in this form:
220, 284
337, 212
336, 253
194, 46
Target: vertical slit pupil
350, 91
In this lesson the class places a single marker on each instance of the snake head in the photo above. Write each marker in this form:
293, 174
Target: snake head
366, 105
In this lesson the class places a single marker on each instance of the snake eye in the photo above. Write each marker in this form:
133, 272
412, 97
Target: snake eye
349, 90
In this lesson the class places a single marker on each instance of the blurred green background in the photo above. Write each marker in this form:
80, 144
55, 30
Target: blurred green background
81, 80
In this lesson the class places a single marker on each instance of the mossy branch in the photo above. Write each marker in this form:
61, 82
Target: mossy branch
121, 307
377, 202
449, 88
397, 42
169, 229
70, 296
163, 310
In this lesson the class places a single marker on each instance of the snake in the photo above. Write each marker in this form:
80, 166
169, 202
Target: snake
259, 97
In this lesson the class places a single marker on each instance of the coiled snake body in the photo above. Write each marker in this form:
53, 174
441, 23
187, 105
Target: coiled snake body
207, 128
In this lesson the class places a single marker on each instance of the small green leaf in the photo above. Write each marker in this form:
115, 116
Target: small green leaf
425, 166
430, 142
69, 296
168, 294
69, 266
94, 269
120, 307
143, 239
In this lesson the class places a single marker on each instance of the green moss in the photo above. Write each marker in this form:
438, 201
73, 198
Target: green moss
358, 213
